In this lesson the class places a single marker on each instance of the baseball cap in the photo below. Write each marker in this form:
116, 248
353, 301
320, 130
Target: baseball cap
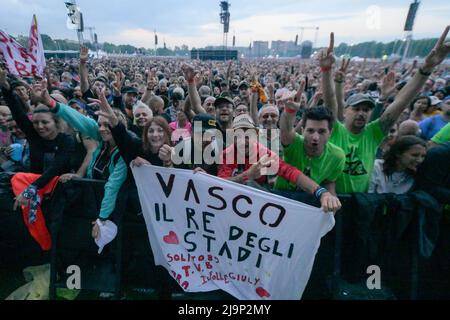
435, 100
244, 84
102, 79
78, 102
243, 121
208, 122
108, 232
359, 98
223, 99
129, 90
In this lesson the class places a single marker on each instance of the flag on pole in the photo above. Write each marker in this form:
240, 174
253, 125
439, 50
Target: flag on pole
15, 57
36, 47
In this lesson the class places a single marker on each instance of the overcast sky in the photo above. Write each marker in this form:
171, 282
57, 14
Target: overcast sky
196, 23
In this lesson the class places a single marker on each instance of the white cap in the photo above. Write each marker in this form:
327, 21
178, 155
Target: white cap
107, 233
435, 100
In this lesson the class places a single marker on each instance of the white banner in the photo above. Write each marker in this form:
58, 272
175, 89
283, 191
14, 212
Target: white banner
211, 234
36, 47
73, 16
17, 59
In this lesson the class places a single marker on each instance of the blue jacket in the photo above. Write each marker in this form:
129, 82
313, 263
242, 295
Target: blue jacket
117, 169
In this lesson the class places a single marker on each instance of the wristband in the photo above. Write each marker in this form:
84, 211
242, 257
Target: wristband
83, 61
424, 73
325, 69
319, 191
339, 81
52, 104
289, 110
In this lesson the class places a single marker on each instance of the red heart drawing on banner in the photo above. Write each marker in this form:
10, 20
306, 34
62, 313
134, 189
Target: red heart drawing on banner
171, 238
262, 292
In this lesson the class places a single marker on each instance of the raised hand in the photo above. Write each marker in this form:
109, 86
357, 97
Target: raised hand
189, 72
438, 53
339, 75
301, 89
105, 109
326, 56
118, 84
387, 85
84, 54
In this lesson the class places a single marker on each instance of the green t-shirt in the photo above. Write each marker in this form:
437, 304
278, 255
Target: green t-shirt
360, 150
328, 167
443, 135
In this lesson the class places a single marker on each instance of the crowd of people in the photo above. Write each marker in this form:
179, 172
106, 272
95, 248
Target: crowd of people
317, 127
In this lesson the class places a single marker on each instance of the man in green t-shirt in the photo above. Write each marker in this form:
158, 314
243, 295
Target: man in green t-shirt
442, 136
358, 139
311, 152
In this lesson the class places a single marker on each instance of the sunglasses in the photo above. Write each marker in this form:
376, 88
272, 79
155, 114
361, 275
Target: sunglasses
267, 115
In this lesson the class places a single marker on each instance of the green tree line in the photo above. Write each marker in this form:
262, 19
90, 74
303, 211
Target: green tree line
58, 44
372, 49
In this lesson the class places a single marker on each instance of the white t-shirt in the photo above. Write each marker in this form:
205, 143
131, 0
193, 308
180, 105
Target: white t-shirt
398, 183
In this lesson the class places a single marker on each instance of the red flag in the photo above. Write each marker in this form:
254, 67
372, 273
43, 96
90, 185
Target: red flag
36, 47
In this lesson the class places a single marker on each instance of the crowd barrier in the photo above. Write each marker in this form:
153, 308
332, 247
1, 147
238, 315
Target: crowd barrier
406, 236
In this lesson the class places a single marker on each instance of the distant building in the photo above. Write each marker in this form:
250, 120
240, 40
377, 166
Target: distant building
260, 49
306, 49
285, 48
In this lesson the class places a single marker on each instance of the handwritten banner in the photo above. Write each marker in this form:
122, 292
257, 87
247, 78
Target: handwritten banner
211, 234
16, 58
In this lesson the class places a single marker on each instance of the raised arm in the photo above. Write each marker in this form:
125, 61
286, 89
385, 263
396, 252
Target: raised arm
413, 87
326, 62
194, 97
84, 80
149, 92
287, 119
339, 81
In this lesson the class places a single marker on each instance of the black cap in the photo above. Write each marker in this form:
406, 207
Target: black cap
208, 121
102, 79
223, 99
244, 84
129, 90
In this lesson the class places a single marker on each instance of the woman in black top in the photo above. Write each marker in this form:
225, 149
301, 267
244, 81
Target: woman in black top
50, 154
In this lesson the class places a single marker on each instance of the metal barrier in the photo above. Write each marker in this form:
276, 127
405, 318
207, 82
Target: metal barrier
64, 235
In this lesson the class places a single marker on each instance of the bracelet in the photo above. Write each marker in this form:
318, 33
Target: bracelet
52, 104
325, 69
289, 110
427, 74
339, 81
319, 191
